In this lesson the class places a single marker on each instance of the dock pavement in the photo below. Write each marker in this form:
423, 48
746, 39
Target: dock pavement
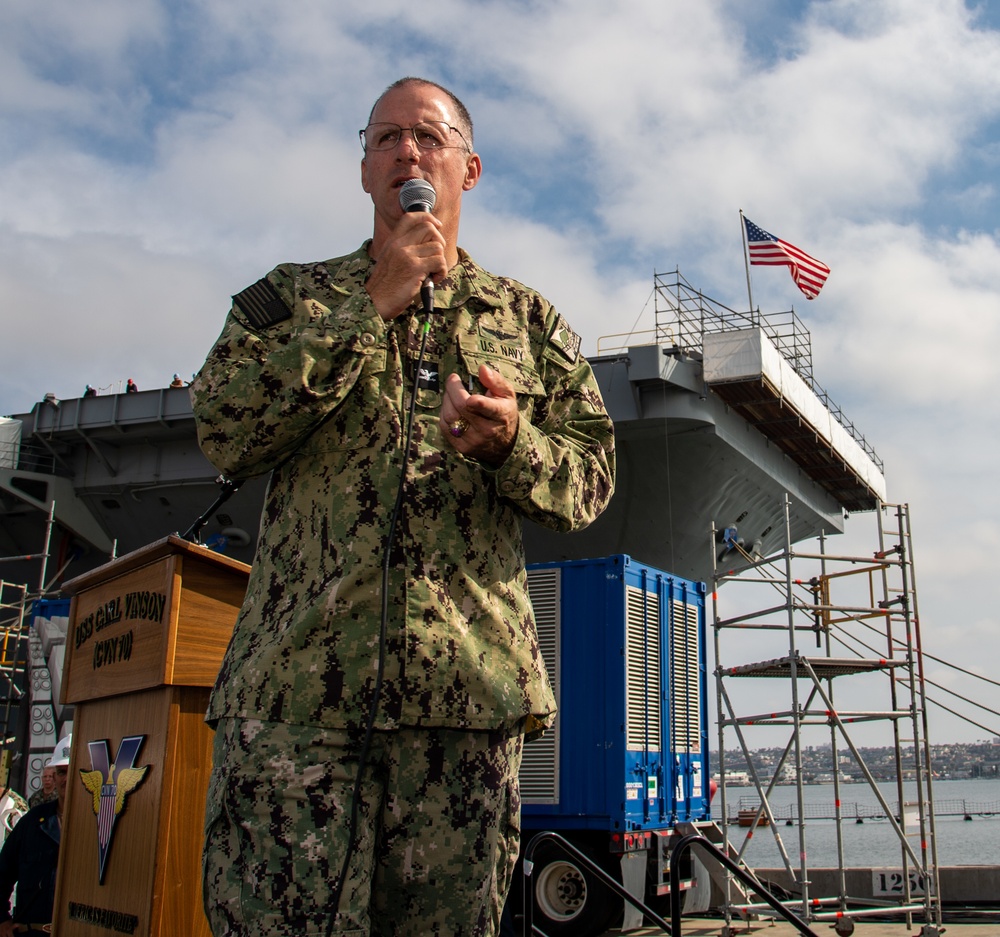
969, 924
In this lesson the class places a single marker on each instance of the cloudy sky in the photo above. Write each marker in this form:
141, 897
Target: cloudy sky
156, 157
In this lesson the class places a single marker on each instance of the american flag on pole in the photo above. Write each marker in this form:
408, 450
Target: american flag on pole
808, 273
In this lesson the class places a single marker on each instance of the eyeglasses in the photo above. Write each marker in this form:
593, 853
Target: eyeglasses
428, 135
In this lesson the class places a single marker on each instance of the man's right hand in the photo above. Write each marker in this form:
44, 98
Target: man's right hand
6, 929
415, 251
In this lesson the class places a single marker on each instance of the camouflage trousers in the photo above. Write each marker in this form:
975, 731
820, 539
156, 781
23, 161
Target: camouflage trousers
435, 846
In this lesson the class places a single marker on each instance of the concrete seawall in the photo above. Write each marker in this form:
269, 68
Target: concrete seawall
972, 886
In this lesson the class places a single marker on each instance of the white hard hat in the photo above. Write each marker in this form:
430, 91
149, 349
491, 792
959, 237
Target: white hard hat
60, 755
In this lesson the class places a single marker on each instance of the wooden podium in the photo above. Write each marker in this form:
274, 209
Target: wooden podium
146, 637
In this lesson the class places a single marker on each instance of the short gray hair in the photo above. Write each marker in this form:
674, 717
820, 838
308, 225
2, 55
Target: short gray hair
463, 112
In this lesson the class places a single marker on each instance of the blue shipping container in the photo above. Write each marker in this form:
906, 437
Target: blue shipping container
625, 649
50, 608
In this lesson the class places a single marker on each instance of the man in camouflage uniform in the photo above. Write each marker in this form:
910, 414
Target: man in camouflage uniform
411, 653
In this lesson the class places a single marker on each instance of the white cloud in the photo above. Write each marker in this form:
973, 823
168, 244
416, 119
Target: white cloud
917, 319
97, 310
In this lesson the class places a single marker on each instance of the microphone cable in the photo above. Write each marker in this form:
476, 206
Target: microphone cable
427, 295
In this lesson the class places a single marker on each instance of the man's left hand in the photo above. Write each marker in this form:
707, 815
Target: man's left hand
480, 426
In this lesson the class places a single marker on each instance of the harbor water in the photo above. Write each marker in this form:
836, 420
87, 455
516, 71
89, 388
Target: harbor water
872, 842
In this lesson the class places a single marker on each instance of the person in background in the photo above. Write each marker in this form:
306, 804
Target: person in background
47, 790
385, 668
30, 856
130, 387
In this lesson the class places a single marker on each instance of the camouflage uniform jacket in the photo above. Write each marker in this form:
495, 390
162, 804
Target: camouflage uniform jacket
320, 401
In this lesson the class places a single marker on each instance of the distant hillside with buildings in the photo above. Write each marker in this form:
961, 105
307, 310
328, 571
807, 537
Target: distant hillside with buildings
959, 760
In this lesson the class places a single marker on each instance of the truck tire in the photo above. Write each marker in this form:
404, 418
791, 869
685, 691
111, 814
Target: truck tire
569, 901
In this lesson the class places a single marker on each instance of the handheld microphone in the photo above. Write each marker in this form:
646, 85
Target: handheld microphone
419, 195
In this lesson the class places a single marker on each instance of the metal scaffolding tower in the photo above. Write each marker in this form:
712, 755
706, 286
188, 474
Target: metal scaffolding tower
28, 722
14, 608
826, 617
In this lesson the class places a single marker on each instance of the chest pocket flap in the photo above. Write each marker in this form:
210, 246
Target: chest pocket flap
512, 358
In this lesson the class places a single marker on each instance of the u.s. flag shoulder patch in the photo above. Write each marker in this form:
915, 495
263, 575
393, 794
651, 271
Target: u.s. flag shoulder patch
262, 305
564, 340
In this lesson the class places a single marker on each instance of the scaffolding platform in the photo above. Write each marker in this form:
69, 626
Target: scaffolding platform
804, 667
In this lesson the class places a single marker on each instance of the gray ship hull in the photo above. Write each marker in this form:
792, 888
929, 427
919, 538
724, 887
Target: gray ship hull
114, 473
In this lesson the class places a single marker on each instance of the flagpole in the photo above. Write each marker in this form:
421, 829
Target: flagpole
746, 260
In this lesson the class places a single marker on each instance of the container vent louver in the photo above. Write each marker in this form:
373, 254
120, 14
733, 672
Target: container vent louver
539, 775
685, 698
643, 684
